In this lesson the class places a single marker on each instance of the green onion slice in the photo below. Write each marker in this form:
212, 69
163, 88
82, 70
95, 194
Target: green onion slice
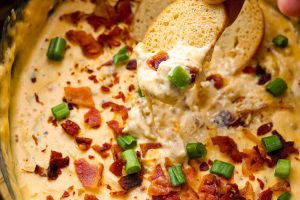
272, 143
132, 162
179, 77
280, 41
285, 196
127, 142
277, 87
60, 111
222, 169
56, 49
196, 150
140, 93
122, 56
283, 168
176, 175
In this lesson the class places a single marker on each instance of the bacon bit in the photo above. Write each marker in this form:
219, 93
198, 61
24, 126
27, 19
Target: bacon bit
123, 9
89, 174
81, 96
146, 147
131, 88
36, 141
96, 21
114, 126
194, 74
116, 152
217, 79
254, 161
89, 45
263, 79
229, 147
73, 17
158, 58
120, 96
93, 78
168, 163
261, 183
37, 99
105, 89
281, 186
102, 150
157, 173
260, 71
116, 78
249, 70
49, 197
33, 79
65, 195
52, 120
40, 171
264, 129
204, 167
70, 127
161, 187
266, 195
172, 196
90, 197
119, 193
93, 118
132, 64
130, 181
55, 164
83, 143
108, 63
190, 174
116, 108
247, 192
111, 39
116, 167
189, 194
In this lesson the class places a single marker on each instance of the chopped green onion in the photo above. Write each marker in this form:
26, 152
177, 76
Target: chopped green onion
283, 168
126, 142
280, 41
56, 49
132, 162
140, 93
176, 175
60, 111
285, 196
272, 143
277, 87
122, 56
179, 77
222, 169
196, 150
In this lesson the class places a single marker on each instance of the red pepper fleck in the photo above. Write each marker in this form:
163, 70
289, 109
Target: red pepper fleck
158, 58
105, 89
264, 129
132, 65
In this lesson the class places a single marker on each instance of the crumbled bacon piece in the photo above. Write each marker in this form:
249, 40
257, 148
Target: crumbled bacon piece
247, 192
171, 196
120, 96
131, 87
89, 174
249, 70
147, 146
83, 143
190, 174
65, 195
124, 12
194, 74
264, 129
158, 58
130, 181
116, 152
189, 194
70, 127
114, 125
217, 79
118, 193
96, 21
93, 118
81, 96
89, 45
157, 173
116, 167
112, 38
105, 89
49, 197
261, 183
73, 17
132, 64
102, 150
90, 197
204, 167
263, 79
281, 186
116, 108
55, 164
40, 171
266, 195
108, 63
229, 147
254, 161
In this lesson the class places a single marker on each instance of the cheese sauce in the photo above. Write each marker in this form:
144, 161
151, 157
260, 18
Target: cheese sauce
193, 119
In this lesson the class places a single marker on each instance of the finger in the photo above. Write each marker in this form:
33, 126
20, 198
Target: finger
289, 7
233, 9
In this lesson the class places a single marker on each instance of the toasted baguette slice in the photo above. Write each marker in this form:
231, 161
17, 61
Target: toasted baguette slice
146, 14
192, 22
240, 41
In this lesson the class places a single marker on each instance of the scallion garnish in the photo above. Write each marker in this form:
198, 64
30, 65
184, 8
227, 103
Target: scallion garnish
272, 143
140, 93
56, 49
176, 175
122, 56
222, 169
277, 87
196, 150
280, 41
285, 196
283, 168
132, 162
60, 111
126, 142
179, 77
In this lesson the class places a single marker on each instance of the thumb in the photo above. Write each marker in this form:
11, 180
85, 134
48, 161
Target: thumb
289, 7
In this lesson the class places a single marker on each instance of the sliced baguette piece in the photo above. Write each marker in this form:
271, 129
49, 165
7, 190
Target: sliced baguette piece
147, 12
240, 41
192, 22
